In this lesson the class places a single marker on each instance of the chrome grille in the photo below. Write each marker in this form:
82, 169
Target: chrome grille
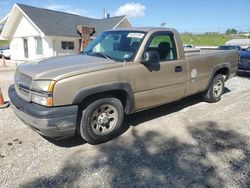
23, 85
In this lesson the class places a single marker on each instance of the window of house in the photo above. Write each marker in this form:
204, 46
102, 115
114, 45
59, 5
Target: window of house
67, 45
165, 45
39, 45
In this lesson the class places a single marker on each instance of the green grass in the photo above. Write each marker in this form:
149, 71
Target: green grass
205, 39
4, 43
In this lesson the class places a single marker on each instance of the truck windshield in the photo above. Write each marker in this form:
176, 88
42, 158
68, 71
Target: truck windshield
116, 45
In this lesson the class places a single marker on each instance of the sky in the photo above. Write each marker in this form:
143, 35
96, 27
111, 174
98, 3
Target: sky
194, 16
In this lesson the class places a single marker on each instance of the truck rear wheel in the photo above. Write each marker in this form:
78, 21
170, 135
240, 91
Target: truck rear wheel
215, 90
102, 120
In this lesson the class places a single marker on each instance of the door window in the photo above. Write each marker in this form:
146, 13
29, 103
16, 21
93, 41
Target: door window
164, 44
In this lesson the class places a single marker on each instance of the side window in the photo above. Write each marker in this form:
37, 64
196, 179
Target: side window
39, 46
165, 45
67, 45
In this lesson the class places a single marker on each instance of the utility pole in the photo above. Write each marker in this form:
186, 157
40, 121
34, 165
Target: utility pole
104, 13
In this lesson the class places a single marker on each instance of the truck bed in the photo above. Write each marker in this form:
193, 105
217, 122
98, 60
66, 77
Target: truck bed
201, 51
202, 63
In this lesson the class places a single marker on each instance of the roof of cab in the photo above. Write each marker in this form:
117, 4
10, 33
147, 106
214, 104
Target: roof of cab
145, 29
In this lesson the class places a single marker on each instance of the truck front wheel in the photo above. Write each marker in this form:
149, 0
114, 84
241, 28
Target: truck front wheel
102, 120
215, 90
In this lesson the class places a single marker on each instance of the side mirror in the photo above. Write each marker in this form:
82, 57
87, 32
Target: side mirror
151, 56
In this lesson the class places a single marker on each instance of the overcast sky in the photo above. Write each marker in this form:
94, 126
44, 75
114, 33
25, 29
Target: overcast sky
192, 15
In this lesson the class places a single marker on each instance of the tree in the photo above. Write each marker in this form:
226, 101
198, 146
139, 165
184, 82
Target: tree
231, 31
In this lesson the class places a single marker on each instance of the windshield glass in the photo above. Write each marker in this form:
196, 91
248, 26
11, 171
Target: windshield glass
248, 49
116, 45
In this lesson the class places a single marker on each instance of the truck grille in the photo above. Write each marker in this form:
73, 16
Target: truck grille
23, 85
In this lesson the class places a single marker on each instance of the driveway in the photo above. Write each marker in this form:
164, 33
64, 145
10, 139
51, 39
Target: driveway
188, 143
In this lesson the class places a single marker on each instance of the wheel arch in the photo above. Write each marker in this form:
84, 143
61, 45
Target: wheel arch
223, 69
122, 91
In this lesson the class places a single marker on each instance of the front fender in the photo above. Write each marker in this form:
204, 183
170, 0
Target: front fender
86, 92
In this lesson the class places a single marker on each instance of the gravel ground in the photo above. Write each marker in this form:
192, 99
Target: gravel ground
188, 143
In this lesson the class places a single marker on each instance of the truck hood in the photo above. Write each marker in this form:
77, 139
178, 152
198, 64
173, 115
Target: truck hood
60, 67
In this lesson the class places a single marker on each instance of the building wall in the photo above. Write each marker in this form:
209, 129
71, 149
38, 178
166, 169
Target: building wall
56, 44
16, 49
24, 30
48, 50
51, 44
124, 24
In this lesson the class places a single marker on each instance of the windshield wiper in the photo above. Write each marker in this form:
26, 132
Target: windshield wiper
84, 53
102, 54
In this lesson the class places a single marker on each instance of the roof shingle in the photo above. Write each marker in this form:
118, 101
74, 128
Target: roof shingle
55, 23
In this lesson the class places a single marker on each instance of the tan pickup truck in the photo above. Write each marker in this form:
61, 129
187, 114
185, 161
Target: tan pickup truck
121, 72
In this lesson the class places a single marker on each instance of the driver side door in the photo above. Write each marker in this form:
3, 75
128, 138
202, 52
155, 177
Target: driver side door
160, 82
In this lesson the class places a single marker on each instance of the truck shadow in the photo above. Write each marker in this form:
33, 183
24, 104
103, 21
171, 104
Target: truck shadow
163, 110
152, 160
226, 90
67, 142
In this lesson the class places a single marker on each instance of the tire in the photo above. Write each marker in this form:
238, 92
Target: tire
215, 90
102, 120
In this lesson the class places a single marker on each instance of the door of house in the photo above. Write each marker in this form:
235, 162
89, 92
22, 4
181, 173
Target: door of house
26, 50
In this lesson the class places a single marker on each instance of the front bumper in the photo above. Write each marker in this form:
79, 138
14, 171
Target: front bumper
55, 122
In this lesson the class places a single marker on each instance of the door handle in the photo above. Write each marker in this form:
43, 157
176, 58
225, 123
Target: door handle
178, 68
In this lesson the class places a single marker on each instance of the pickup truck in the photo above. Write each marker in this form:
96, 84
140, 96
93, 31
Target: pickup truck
244, 64
122, 71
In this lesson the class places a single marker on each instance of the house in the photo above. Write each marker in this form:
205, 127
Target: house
36, 33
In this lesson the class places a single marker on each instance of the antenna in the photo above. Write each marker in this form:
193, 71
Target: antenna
104, 12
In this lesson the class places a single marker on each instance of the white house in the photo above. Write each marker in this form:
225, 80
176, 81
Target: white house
36, 33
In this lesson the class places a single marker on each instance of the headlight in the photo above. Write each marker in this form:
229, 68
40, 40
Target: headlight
43, 86
43, 100
42, 92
